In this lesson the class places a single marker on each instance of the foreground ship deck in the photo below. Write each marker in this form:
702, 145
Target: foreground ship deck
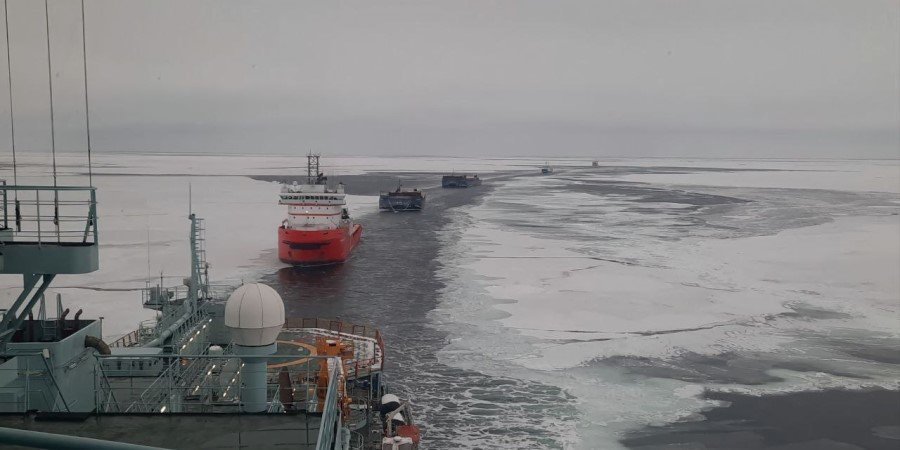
205, 373
146, 397
226, 431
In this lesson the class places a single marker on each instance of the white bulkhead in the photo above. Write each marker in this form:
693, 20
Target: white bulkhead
313, 206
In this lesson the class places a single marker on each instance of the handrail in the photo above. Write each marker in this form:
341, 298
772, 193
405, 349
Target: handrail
37, 187
69, 214
341, 327
331, 413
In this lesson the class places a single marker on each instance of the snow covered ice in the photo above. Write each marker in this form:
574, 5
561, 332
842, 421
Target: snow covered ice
635, 291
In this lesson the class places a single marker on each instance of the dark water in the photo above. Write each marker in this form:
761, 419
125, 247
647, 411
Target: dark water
391, 282
829, 420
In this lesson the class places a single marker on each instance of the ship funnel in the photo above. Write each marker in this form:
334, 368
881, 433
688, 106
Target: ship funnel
254, 314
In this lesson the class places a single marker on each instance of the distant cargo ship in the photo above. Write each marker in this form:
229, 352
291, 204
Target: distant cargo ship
460, 181
318, 229
547, 169
401, 200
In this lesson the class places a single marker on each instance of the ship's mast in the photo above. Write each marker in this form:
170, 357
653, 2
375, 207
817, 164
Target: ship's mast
312, 168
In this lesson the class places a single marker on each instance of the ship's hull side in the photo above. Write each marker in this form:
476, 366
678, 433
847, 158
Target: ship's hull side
317, 247
453, 181
400, 203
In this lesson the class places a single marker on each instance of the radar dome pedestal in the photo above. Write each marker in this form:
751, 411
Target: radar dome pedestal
254, 315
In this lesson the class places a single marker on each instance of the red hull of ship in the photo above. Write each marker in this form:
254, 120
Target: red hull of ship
317, 247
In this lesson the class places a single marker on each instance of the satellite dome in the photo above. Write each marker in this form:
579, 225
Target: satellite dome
254, 314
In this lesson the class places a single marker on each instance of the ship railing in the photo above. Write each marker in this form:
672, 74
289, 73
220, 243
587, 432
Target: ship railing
31, 385
340, 326
331, 324
47, 214
128, 340
153, 395
105, 394
144, 330
219, 291
154, 295
208, 383
193, 384
360, 415
25, 402
330, 427
355, 368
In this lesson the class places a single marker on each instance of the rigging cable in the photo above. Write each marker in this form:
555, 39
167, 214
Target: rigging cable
87, 114
50, 85
12, 121
52, 122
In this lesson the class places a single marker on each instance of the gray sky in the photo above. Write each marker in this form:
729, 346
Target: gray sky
815, 78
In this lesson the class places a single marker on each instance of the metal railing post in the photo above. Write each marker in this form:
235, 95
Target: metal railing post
37, 203
5, 206
96, 390
93, 216
27, 384
55, 385
56, 215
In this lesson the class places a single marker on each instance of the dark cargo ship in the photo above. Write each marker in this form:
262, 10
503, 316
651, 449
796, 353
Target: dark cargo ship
402, 200
460, 181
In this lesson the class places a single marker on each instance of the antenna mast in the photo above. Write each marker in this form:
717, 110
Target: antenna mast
312, 168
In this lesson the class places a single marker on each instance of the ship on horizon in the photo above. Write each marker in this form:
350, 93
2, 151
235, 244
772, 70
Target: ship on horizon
318, 229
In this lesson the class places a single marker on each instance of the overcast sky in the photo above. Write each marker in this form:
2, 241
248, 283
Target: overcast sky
815, 78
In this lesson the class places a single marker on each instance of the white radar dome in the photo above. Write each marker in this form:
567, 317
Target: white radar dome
254, 314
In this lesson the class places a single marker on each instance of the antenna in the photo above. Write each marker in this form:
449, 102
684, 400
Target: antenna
87, 111
190, 206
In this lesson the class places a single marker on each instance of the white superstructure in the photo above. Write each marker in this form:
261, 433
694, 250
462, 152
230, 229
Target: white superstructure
314, 206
